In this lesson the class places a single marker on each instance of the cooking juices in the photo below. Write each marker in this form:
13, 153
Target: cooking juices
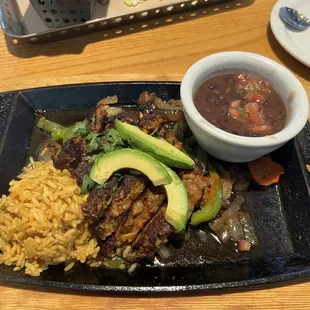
241, 104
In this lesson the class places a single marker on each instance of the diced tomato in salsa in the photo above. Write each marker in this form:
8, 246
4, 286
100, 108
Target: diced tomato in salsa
253, 96
255, 113
263, 129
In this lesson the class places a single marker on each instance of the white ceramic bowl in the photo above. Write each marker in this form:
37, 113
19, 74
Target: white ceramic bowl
234, 148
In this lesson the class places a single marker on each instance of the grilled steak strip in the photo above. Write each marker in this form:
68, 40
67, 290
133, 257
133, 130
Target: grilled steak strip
141, 211
97, 201
71, 154
97, 120
150, 121
168, 135
127, 193
153, 235
146, 121
195, 183
81, 170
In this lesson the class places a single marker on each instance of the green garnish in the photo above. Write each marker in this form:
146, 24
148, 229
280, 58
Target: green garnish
59, 132
114, 137
93, 157
115, 188
154, 132
114, 141
87, 185
108, 148
93, 142
98, 186
243, 113
241, 92
110, 200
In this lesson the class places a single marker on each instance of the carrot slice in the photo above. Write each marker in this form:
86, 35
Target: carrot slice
265, 171
308, 167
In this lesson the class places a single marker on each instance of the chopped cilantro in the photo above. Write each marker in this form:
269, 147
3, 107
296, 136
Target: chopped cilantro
154, 132
243, 113
114, 137
104, 185
94, 141
114, 141
115, 188
110, 200
241, 92
93, 158
87, 185
79, 129
107, 148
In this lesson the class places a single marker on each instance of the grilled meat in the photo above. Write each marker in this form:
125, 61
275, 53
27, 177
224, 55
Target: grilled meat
128, 213
141, 211
152, 236
81, 170
147, 121
208, 182
150, 121
129, 116
97, 201
71, 154
98, 120
122, 200
195, 183
167, 134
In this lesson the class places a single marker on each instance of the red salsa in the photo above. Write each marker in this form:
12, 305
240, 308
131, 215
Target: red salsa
241, 104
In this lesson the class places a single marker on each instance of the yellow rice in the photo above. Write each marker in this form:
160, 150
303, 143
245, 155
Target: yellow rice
42, 223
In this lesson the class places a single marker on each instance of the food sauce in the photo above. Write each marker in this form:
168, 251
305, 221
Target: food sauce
242, 105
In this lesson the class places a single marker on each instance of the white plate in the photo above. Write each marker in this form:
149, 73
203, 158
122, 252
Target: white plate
294, 42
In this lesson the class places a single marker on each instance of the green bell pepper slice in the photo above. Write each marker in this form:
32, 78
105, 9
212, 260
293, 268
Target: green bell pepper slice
214, 194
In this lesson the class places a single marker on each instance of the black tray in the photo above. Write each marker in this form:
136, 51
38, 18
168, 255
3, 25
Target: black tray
281, 213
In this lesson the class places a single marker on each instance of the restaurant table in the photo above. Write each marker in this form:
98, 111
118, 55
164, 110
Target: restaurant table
162, 54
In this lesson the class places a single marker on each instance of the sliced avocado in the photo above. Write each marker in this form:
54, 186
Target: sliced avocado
107, 164
177, 212
160, 149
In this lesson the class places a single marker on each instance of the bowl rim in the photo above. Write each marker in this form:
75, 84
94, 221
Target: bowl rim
286, 134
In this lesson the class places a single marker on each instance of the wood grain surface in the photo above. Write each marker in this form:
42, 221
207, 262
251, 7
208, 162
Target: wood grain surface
162, 53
